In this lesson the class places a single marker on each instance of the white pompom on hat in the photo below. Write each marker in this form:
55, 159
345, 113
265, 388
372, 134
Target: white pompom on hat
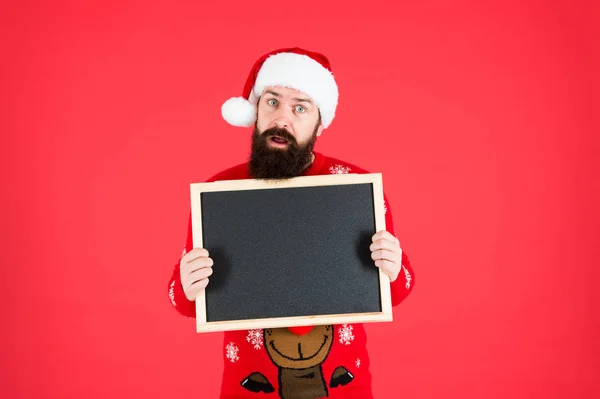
294, 68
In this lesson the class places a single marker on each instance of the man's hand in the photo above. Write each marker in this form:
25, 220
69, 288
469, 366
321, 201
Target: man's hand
387, 254
194, 269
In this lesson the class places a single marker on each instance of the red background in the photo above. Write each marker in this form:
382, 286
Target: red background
483, 120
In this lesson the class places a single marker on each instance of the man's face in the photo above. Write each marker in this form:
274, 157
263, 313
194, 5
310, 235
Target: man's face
287, 127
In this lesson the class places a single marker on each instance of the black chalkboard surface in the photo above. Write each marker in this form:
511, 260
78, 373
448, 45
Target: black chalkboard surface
290, 252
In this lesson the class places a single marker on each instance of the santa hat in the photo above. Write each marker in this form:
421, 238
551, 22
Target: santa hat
294, 68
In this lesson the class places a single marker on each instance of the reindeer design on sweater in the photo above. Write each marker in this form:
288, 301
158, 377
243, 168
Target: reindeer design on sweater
298, 353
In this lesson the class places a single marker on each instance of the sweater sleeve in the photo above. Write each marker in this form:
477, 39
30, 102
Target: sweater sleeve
176, 294
403, 285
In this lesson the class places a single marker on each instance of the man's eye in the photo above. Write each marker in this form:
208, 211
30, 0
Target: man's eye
300, 108
272, 102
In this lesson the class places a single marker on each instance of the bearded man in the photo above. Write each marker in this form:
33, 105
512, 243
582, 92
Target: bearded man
289, 99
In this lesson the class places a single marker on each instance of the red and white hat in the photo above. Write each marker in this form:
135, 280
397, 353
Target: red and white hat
294, 68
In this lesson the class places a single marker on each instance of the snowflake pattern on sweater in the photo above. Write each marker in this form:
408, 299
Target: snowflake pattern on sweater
345, 334
231, 352
255, 337
339, 169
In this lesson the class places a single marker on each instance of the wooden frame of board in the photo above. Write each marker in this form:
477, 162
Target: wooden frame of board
196, 189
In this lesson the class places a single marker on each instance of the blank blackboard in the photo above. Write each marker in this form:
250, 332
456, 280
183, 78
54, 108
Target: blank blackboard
290, 252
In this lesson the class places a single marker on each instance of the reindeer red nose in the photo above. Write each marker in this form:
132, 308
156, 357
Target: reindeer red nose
300, 330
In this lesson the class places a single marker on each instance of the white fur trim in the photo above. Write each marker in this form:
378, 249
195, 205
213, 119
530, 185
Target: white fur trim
238, 111
302, 73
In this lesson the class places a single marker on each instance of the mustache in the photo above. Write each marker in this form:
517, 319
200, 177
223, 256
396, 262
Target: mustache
281, 132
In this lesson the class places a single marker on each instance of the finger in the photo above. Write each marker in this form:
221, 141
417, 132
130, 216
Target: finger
384, 254
192, 291
195, 254
196, 264
385, 235
390, 269
194, 286
197, 275
384, 244
201, 273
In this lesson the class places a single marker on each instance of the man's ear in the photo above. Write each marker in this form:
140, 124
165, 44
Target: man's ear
320, 129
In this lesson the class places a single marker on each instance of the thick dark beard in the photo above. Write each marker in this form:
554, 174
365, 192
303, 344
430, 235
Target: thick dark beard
274, 163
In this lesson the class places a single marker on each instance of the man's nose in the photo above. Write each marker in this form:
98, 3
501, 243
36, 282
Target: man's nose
283, 119
282, 123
